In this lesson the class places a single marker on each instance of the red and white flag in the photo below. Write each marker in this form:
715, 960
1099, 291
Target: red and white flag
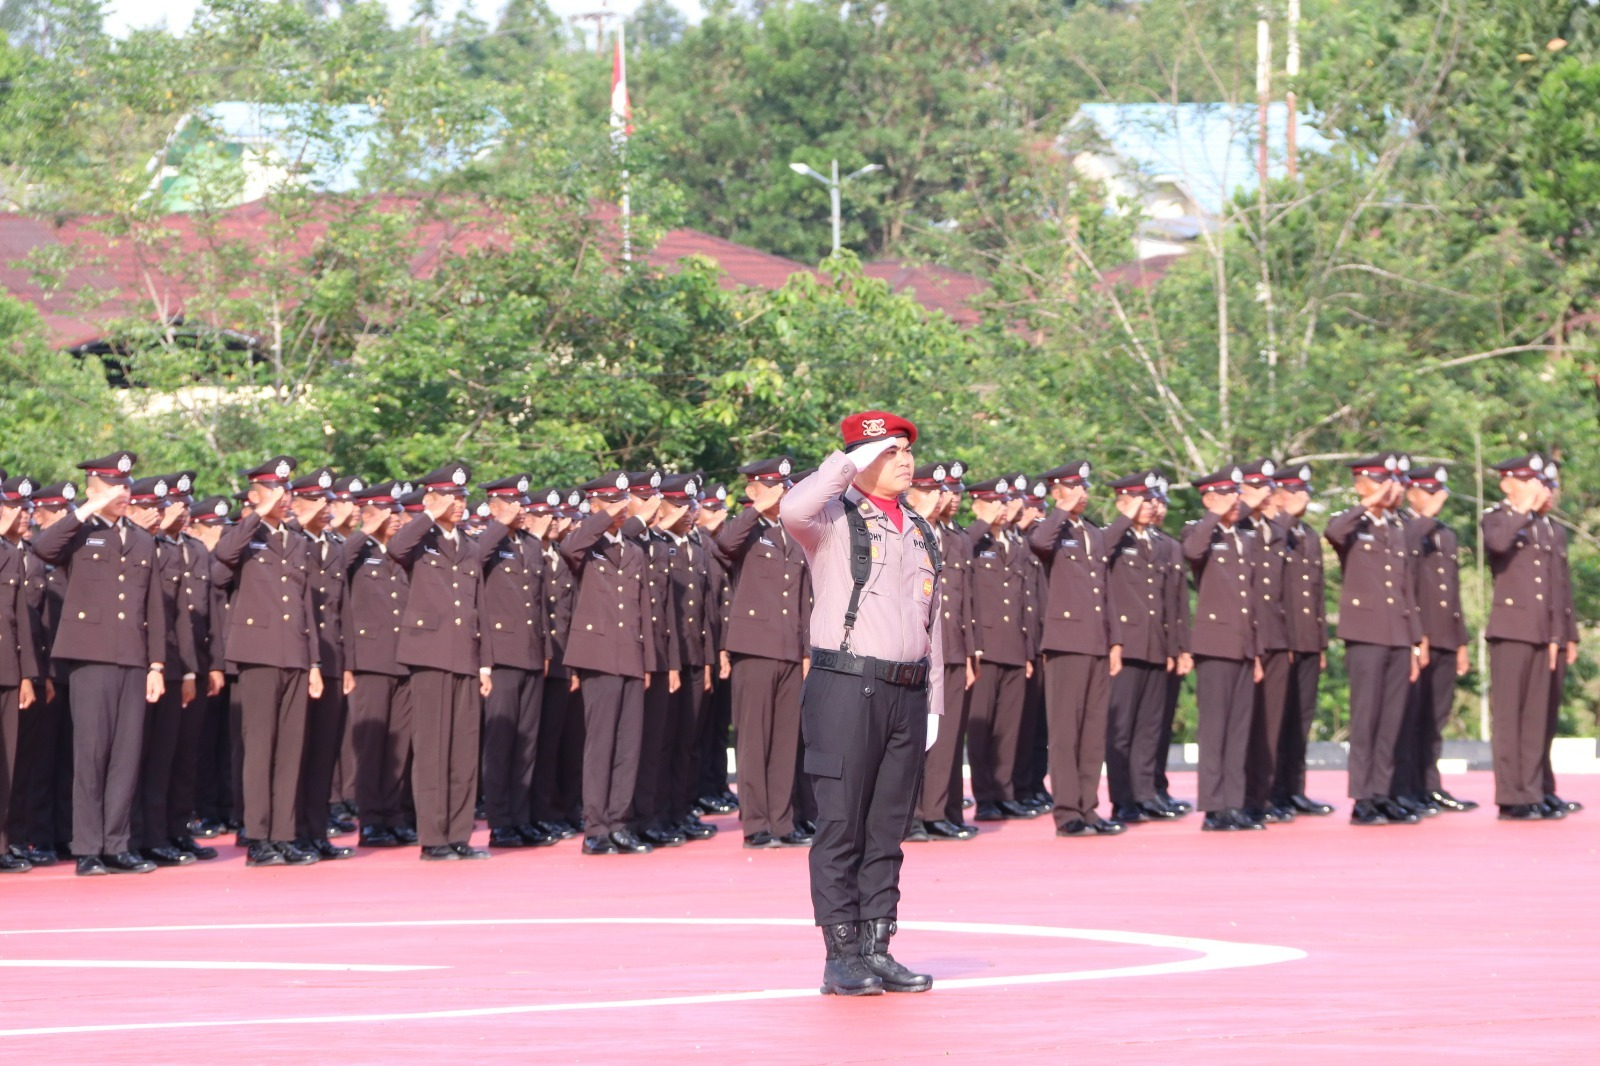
621, 110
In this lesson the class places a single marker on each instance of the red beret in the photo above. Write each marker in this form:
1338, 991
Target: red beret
869, 426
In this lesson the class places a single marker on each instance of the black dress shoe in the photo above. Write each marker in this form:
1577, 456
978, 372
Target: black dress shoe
1413, 805
341, 825
917, 833
1130, 814
506, 837
232, 825
947, 830
558, 829
1155, 810
325, 849
1367, 812
1264, 815
127, 862
763, 839
295, 855
166, 855
796, 838
91, 866
1552, 811
1181, 806
13, 864
40, 855
242, 841
598, 846
1305, 805
806, 826
1283, 812
263, 853
629, 844
694, 829
1076, 828
967, 803
1108, 827
1397, 814
663, 838
1520, 812
404, 834
464, 850
205, 828
535, 837
439, 853
1218, 822
377, 836
988, 812
1013, 809
716, 805
187, 845
1570, 806
1447, 802
1246, 820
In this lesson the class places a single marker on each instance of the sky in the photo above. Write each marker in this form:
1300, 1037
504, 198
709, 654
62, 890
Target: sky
123, 15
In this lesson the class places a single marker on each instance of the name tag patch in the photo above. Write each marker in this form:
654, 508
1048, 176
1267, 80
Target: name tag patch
96, 542
372, 561
507, 555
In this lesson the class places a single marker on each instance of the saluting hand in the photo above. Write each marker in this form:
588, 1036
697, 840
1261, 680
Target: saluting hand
376, 521
505, 511
271, 497
987, 510
1128, 506
437, 505
99, 500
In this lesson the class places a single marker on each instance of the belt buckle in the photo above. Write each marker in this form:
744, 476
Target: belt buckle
902, 673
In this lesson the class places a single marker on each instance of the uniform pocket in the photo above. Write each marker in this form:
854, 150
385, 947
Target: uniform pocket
826, 770
824, 764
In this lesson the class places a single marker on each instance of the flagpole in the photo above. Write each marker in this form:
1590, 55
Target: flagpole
621, 115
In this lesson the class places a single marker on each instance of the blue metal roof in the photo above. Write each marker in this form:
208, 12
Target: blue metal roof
1209, 148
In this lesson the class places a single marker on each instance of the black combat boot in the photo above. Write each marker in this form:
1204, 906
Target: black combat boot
875, 936
845, 973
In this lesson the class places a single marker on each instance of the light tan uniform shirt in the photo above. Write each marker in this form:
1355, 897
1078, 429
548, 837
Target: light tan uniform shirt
896, 610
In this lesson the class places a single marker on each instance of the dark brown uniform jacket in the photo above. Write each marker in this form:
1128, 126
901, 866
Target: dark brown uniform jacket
770, 610
1305, 604
1377, 602
19, 651
611, 632
1139, 572
693, 605
1270, 549
327, 598
1223, 566
1077, 615
375, 600
560, 596
514, 614
194, 606
1438, 576
1522, 559
998, 598
955, 593
272, 621
439, 627
112, 611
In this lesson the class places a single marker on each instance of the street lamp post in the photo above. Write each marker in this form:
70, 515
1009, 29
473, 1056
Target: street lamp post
834, 184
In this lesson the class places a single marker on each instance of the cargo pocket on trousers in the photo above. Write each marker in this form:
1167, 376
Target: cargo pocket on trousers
827, 783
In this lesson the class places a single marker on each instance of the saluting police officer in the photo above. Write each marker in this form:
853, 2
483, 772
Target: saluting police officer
766, 654
1225, 646
439, 641
19, 659
1384, 642
1567, 623
558, 768
273, 648
1260, 523
1083, 648
1170, 553
712, 792
1434, 549
1305, 613
113, 631
650, 821
874, 696
1525, 635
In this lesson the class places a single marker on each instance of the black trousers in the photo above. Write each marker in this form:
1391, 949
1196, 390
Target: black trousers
1133, 729
681, 782
1299, 716
41, 783
214, 787
1520, 680
1266, 729
108, 712
942, 793
511, 745
994, 724
380, 731
656, 737
863, 745
8, 758
182, 786
715, 727
766, 704
1033, 737
1558, 685
1077, 693
1169, 714
1380, 677
613, 723
162, 721
558, 769
272, 720
446, 712
1428, 706
325, 727
1225, 694
343, 789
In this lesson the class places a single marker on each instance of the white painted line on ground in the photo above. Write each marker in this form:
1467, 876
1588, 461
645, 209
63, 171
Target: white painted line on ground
172, 964
1212, 955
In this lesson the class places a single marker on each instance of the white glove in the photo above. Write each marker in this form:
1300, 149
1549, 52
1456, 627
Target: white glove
864, 456
933, 731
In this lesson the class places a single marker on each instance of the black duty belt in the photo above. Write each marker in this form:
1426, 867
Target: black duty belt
911, 675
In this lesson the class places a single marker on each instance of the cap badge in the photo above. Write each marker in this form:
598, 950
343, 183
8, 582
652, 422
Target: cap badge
938, 473
785, 466
1390, 464
575, 500
1238, 475
1405, 464
283, 468
356, 484
1536, 461
69, 491
1441, 475
1305, 473
722, 492
522, 484
124, 464
1039, 490
325, 480
622, 481
956, 469
220, 508
871, 427
1151, 481
459, 476
25, 488
1267, 469
554, 499
184, 484
655, 479
690, 488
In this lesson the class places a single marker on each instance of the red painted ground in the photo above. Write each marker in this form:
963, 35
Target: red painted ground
1462, 940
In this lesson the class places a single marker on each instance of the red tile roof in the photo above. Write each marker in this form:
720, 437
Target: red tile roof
937, 288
